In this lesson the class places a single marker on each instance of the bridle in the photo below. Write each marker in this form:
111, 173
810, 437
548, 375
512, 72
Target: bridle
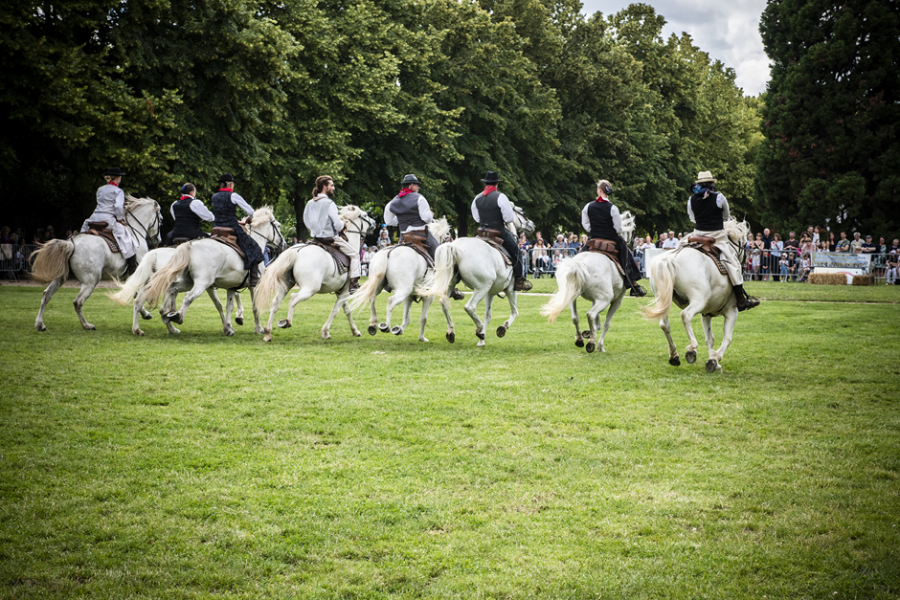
145, 233
366, 219
276, 243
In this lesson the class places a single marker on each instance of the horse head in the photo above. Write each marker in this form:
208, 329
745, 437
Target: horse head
521, 222
738, 232
265, 225
359, 219
439, 228
627, 225
145, 218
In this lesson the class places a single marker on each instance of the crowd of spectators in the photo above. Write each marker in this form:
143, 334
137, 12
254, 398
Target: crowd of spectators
16, 247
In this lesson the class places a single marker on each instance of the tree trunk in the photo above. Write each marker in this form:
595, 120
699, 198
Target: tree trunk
299, 207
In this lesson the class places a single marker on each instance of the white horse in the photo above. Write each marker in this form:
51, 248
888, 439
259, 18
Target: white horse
696, 285
404, 269
89, 258
482, 268
313, 269
593, 276
133, 292
201, 264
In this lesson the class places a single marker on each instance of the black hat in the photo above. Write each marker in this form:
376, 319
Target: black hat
492, 177
114, 171
410, 179
226, 177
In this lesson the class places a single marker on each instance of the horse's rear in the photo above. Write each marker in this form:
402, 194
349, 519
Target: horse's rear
693, 282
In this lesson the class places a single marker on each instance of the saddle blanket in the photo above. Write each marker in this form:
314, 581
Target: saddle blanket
707, 250
489, 237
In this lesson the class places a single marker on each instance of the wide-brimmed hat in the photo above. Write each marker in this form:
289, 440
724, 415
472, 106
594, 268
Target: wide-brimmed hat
705, 177
114, 171
226, 177
410, 179
492, 177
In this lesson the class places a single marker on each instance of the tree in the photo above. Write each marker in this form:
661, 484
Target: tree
831, 114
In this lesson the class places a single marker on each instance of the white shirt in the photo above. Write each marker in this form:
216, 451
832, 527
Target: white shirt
321, 217
199, 209
670, 244
506, 209
613, 212
236, 199
721, 202
424, 213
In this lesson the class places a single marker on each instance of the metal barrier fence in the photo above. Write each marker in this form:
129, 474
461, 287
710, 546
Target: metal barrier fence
14, 260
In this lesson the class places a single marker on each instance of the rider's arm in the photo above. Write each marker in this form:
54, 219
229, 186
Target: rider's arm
585, 220
201, 211
335, 217
475, 214
506, 209
389, 217
424, 210
242, 203
691, 212
722, 203
120, 204
616, 218
172, 210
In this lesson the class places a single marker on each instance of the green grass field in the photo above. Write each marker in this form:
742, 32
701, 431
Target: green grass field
200, 466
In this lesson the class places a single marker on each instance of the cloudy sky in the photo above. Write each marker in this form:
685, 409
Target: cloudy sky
728, 30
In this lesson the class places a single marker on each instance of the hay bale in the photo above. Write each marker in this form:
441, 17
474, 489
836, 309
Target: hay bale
828, 278
863, 280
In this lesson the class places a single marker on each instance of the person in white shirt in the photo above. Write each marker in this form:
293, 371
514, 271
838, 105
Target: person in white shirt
671, 242
188, 212
321, 218
111, 209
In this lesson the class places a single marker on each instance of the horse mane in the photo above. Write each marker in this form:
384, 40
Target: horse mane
737, 230
133, 204
262, 216
349, 212
627, 225
439, 228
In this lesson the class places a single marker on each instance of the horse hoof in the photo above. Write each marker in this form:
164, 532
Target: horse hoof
90, 327
579, 343
267, 337
675, 361
229, 332
147, 317
372, 330
396, 331
501, 331
383, 327
239, 320
138, 332
590, 346
711, 366
451, 337
284, 324
357, 333
586, 334
41, 327
480, 336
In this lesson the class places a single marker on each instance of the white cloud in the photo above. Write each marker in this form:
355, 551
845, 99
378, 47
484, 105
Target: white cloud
728, 30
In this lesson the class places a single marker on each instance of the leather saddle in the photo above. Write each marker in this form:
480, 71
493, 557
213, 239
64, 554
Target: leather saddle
494, 238
101, 229
608, 248
225, 235
342, 260
418, 241
706, 245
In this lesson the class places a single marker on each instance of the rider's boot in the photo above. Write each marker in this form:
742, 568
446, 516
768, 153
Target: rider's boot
130, 266
522, 284
637, 291
744, 301
455, 294
254, 276
354, 284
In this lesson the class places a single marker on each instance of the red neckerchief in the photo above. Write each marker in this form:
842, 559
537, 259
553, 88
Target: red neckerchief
601, 199
112, 183
404, 192
226, 189
183, 197
488, 189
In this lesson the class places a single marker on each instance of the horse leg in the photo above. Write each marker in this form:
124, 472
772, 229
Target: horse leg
349, 313
673, 349
45, 300
471, 307
189, 298
613, 307
593, 319
373, 316
257, 327
687, 315
451, 332
276, 302
239, 306
715, 358
225, 315
579, 339
341, 299
145, 314
426, 304
392, 301
513, 313
87, 288
407, 306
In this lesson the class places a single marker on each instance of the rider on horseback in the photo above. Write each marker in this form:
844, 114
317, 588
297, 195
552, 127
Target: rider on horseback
491, 209
601, 219
708, 209
224, 203
188, 212
321, 218
409, 211
111, 208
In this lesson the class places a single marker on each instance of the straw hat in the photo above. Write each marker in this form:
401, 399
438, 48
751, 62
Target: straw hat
705, 177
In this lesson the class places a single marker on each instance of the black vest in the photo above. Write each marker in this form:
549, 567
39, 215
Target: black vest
406, 209
707, 216
224, 210
187, 222
489, 210
600, 215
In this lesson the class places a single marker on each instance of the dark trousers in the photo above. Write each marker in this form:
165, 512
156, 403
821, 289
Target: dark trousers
251, 249
512, 246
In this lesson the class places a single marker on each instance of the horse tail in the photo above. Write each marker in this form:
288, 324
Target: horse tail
166, 276
445, 260
51, 261
273, 279
139, 279
570, 277
377, 272
663, 284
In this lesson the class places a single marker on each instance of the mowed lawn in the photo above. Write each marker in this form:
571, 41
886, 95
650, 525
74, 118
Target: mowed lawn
201, 466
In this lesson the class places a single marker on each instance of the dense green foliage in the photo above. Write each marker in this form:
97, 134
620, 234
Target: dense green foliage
831, 114
366, 91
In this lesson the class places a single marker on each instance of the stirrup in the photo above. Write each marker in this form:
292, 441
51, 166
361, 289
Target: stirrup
522, 285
